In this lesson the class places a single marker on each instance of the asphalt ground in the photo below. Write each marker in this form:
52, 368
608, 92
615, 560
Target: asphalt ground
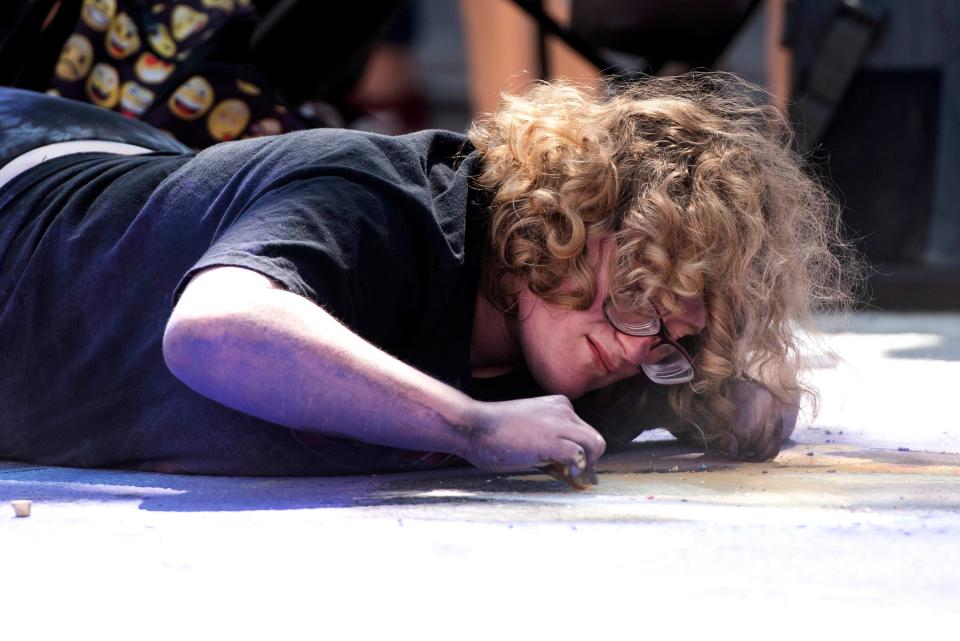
853, 529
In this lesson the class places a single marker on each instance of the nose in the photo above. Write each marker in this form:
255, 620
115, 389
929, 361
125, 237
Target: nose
637, 348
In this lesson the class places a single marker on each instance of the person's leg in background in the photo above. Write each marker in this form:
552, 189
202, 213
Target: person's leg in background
502, 50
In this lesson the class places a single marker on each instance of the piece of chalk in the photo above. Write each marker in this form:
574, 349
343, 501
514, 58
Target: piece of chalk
21, 508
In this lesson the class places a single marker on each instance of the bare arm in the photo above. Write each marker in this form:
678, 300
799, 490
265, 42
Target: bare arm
235, 336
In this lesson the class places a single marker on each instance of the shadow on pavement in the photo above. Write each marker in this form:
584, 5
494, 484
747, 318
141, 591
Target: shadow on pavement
180, 493
183, 493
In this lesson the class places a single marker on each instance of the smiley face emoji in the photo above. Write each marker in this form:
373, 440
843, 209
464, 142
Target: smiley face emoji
151, 69
248, 88
159, 38
103, 86
134, 99
192, 99
122, 39
76, 57
98, 14
228, 119
186, 21
223, 5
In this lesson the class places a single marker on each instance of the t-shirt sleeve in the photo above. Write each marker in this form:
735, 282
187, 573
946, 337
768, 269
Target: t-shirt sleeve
360, 251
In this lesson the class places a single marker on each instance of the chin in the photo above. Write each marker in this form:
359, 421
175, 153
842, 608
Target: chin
572, 389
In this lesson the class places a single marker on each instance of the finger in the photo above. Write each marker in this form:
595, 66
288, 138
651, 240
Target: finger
772, 439
569, 454
556, 470
759, 436
594, 446
559, 399
589, 439
754, 423
590, 442
726, 444
766, 438
590, 475
752, 436
561, 473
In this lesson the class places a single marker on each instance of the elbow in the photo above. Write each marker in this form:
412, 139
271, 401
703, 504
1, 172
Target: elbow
205, 347
192, 346
179, 338
194, 352
216, 303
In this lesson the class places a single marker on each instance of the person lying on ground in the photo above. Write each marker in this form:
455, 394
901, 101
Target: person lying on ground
336, 302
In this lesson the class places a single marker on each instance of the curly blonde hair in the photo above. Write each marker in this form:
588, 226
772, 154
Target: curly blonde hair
694, 177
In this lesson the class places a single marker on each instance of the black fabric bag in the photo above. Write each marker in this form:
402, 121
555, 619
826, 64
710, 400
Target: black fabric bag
886, 146
180, 67
203, 71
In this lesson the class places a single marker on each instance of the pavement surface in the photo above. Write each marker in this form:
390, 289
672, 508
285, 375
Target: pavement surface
853, 529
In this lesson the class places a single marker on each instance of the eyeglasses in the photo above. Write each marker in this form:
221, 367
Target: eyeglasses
670, 362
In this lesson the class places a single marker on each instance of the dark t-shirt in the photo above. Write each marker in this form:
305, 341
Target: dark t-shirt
383, 232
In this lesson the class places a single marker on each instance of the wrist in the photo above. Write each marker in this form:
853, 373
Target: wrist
473, 419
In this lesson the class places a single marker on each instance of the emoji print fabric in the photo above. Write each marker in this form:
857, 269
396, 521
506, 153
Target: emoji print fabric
175, 65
